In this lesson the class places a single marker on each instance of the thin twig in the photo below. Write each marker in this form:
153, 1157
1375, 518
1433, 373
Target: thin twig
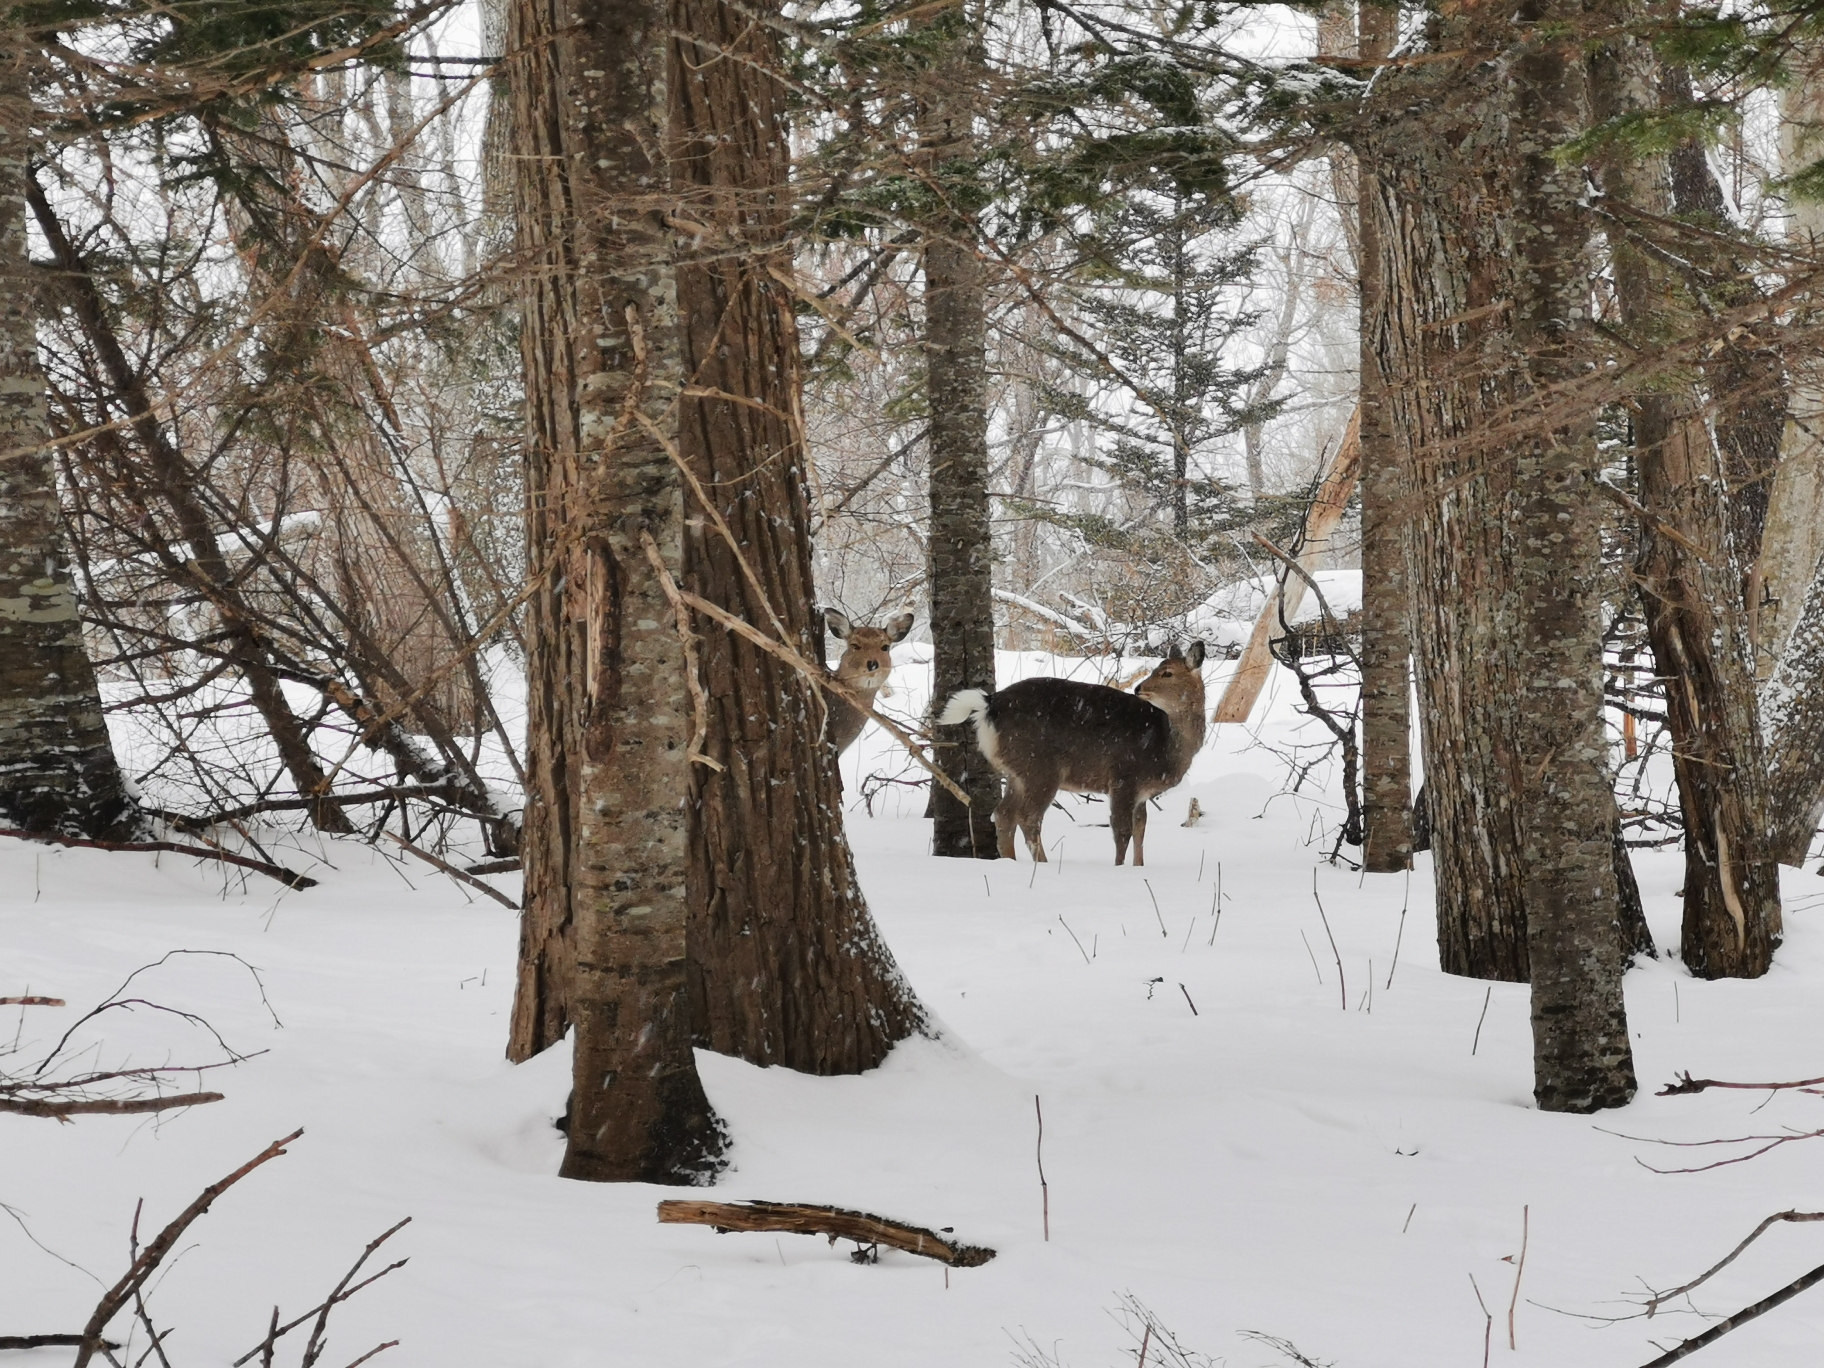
1039, 1157
1519, 1271
1342, 988
452, 871
1740, 1318
1659, 1299
1475, 1044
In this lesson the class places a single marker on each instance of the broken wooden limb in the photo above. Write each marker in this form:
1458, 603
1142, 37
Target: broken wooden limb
1326, 511
290, 878
31, 1001
454, 872
797, 1219
47, 1342
103, 1106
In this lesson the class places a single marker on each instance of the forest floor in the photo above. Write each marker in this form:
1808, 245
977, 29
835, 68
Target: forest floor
1238, 1135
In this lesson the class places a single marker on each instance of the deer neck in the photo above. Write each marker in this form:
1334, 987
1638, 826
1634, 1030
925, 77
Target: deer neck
1187, 733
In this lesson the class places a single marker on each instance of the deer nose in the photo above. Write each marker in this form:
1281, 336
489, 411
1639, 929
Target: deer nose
873, 665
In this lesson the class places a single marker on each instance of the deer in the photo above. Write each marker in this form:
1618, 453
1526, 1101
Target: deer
1044, 735
867, 659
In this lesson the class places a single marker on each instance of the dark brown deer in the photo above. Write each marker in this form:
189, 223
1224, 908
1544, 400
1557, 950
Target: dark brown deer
1044, 735
867, 659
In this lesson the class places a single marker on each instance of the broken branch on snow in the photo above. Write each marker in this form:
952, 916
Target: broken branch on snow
837, 1223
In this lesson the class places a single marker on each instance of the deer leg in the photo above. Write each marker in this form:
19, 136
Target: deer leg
1139, 833
1006, 819
1033, 821
1121, 819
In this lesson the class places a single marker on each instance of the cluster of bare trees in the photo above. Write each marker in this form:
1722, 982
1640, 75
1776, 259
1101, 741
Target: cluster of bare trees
399, 433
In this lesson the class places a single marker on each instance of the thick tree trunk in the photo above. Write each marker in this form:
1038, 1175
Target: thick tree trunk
57, 767
1431, 142
786, 964
606, 851
1386, 643
1582, 1060
1792, 717
1690, 591
961, 546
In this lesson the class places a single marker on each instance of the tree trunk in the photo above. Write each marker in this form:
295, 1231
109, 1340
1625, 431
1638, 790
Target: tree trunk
1690, 591
961, 546
1432, 143
57, 767
606, 846
786, 966
1793, 540
1386, 644
1582, 1060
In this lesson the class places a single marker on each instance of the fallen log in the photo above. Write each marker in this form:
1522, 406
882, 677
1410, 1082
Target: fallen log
797, 1219
104, 1106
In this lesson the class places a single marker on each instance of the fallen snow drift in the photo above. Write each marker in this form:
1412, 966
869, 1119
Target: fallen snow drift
1326, 1162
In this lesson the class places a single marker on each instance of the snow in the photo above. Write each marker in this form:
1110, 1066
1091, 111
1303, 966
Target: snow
1330, 1173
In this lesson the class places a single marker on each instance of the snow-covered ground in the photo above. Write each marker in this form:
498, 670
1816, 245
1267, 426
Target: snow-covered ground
1333, 1170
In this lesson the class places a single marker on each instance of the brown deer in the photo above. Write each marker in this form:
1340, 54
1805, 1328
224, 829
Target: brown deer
1044, 735
867, 659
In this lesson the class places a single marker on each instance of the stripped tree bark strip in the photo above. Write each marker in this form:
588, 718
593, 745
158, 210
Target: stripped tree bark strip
836, 1222
1238, 699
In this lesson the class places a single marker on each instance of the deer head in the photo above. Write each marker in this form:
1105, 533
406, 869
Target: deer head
867, 655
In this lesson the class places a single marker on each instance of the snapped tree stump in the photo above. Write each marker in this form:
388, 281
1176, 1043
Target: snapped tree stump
797, 1219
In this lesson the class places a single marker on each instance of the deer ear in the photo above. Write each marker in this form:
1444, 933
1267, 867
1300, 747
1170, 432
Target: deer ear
899, 626
1173, 653
838, 623
1194, 656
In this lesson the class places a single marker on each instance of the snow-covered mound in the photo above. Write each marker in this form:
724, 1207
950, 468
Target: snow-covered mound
1228, 614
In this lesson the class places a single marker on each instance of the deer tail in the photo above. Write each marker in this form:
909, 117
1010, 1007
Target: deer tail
965, 705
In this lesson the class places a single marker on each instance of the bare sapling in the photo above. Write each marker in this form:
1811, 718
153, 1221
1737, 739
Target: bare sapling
1047, 735
867, 660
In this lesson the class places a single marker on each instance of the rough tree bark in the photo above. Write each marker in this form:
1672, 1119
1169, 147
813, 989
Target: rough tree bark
786, 966
1386, 642
57, 767
604, 935
1582, 1060
961, 548
1793, 539
1687, 570
1443, 194
1429, 141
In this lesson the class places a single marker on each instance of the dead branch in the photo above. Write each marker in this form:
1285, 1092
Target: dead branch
1661, 1298
835, 1222
101, 1106
31, 1002
512, 866
1740, 1318
341, 1293
47, 1342
153, 1255
453, 872
290, 878
1684, 1084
